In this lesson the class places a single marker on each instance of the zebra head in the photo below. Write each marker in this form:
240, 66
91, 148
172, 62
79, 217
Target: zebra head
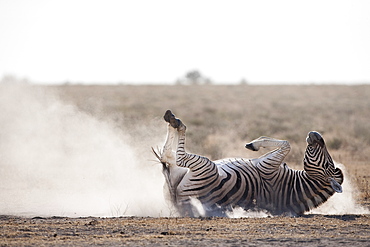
319, 165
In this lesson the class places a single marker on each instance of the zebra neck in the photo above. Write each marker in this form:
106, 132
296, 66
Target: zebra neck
307, 192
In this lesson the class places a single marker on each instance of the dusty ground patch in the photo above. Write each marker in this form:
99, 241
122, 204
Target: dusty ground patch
311, 230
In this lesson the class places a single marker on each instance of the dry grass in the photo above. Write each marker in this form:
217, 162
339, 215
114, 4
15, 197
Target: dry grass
221, 119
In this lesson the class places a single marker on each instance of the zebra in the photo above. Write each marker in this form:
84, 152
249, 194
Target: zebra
264, 183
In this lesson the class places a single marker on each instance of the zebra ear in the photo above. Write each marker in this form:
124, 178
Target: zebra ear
335, 185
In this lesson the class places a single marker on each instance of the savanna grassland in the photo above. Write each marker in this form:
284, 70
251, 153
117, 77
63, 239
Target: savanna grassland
220, 120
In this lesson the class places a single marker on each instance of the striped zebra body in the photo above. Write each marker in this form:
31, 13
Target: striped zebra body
262, 183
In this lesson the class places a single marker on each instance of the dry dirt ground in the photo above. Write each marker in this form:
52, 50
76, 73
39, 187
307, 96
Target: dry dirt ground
309, 230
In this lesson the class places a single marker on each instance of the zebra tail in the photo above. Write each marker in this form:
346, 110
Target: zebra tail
167, 175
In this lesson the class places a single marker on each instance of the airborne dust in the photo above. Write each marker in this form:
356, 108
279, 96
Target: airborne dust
57, 160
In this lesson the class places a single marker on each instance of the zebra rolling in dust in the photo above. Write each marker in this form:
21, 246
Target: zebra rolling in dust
262, 183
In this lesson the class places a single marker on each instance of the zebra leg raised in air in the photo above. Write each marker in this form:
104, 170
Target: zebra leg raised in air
173, 174
273, 158
202, 172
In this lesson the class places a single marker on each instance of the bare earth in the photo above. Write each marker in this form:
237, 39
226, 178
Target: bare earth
310, 230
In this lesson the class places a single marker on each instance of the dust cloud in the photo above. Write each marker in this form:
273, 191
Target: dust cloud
57, 160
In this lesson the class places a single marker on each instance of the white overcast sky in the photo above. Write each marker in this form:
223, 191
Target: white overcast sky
159, 41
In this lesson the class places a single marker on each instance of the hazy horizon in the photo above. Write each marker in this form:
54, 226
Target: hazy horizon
13, 79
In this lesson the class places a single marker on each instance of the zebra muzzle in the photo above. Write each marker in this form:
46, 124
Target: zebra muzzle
335, 185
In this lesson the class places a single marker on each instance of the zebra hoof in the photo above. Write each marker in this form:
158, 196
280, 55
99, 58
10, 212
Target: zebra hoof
168, 115
251, 147
175, 123
170, 118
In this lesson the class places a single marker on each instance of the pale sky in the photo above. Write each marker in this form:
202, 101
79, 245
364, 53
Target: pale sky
90, 41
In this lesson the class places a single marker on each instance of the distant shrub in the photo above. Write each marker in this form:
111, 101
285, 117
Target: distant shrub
335, 143
193, 77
